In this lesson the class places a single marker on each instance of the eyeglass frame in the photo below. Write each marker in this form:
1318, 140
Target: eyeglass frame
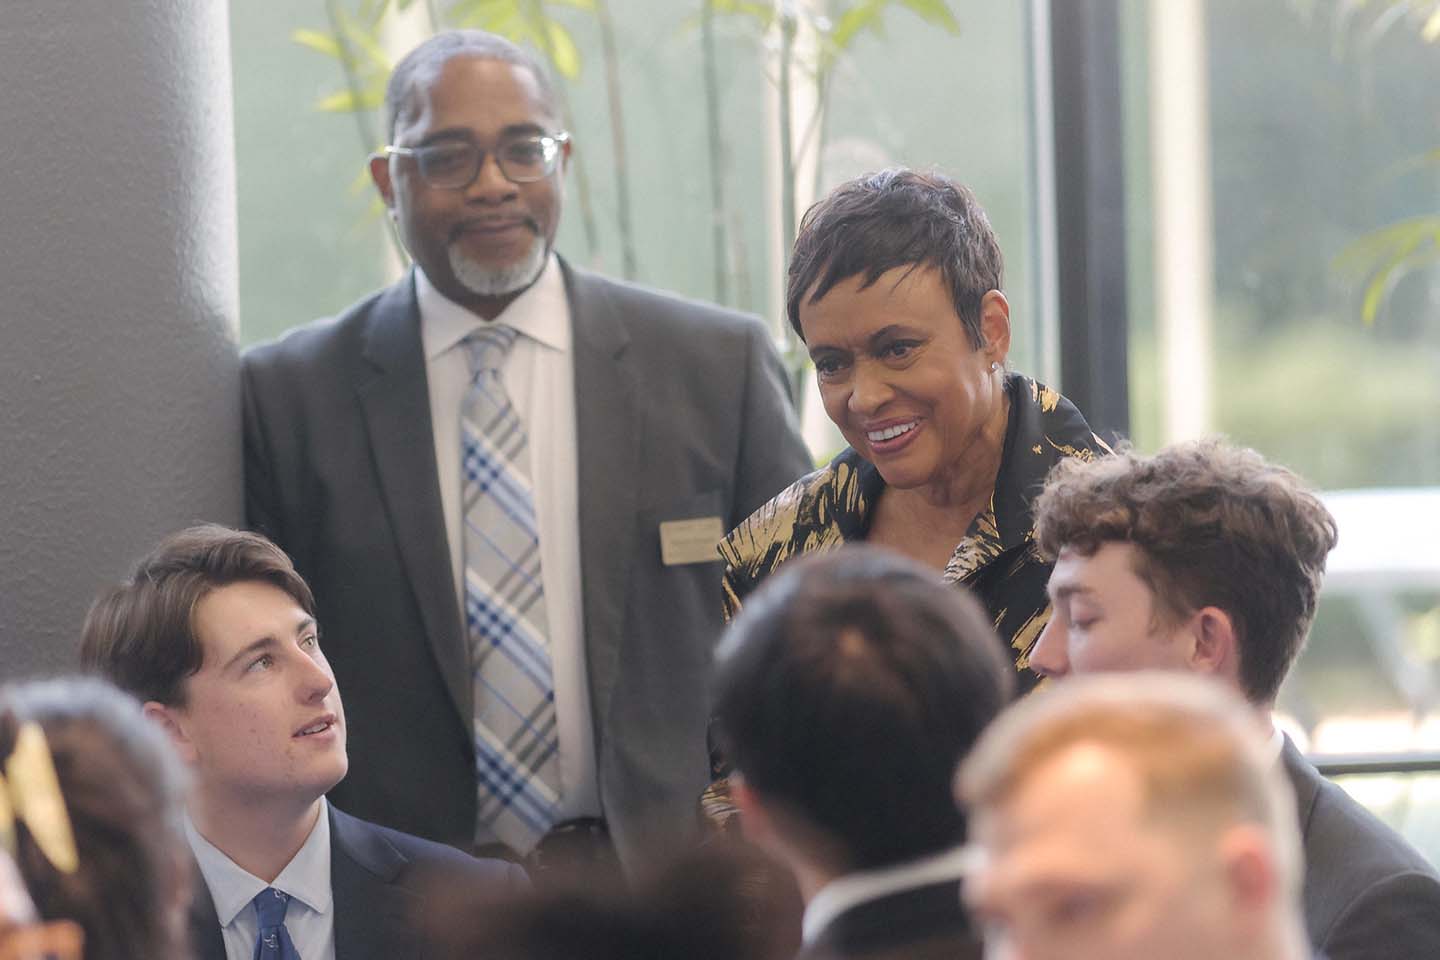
560, 139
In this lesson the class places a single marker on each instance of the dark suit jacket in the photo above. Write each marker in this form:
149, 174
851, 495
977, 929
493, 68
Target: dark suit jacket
1368, 894
380, 880
680, 413
925, 923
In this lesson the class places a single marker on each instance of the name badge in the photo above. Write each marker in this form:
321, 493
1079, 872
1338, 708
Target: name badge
690, 541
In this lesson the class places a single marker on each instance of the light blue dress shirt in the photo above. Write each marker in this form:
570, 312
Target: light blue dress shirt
310, 917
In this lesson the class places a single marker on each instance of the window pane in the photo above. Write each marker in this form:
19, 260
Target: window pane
312, 240
1314, 132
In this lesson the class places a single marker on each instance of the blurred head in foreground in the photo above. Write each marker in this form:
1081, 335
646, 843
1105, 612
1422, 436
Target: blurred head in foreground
128, 885
846, 691
696, 907
1132, 817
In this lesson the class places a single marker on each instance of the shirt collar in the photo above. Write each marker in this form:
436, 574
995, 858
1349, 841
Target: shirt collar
853, 889
1276, 744
305, 878
540, 312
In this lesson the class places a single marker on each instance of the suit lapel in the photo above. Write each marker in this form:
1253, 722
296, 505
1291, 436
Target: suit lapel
1304, 779
373, 916
394, 400
608, 428
206, 940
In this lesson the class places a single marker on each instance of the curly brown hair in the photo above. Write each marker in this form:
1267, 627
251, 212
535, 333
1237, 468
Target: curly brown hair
1216, 525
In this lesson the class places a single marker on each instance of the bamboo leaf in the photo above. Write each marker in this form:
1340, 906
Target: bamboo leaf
563, 52
373, 11
1377, 291
348, 101
762, 13
341, 101
365, 39
318, 41
934, 11
860, 17
1431, 31
1382, 257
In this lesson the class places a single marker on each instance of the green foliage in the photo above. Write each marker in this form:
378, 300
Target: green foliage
356, 28
1378, 260
1381, 258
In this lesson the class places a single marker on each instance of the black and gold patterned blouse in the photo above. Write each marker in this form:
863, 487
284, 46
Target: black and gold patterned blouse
996, 559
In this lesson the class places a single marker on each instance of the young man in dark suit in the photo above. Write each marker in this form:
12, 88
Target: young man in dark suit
216, 634
847, 690
637, 427
1206, 558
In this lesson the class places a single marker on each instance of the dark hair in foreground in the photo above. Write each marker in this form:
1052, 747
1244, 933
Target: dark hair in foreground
693, 907
897, 218
422, 64
1216, 525
141, 636
848, 688
123, 790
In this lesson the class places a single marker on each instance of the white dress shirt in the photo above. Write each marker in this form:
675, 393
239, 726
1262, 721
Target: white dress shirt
310, 915
852, 889
539, 376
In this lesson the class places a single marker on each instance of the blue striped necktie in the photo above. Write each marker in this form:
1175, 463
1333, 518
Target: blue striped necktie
516, 744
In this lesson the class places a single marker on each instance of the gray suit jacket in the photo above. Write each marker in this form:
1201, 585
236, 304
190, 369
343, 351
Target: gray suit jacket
380, 880
1368, 894
680, 413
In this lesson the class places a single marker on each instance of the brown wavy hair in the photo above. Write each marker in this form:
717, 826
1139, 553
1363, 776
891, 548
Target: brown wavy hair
1216, 525
140, 635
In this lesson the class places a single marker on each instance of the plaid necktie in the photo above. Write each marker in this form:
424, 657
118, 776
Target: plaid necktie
515, 737
273, 942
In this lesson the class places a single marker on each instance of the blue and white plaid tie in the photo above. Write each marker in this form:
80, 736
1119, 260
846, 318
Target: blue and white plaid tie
516, 742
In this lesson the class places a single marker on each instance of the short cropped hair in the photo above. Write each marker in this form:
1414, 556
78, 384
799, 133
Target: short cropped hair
897, 218
847, 689
123, 789
1216, 525
1194, 745
430, 57
141, 634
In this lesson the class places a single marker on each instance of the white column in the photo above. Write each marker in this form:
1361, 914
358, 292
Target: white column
1184, 235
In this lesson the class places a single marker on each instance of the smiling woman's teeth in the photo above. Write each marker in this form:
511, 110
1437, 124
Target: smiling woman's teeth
890, 433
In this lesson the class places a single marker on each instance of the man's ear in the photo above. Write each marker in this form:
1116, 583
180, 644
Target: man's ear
172, 723
1252, 873
755, 820
1216, 651
380, 173
995, 326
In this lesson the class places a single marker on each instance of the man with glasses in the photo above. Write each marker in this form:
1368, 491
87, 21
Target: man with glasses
505, 478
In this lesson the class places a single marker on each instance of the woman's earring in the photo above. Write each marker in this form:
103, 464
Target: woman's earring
994, 365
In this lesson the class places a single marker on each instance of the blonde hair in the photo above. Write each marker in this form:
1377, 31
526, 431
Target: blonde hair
1194, 745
